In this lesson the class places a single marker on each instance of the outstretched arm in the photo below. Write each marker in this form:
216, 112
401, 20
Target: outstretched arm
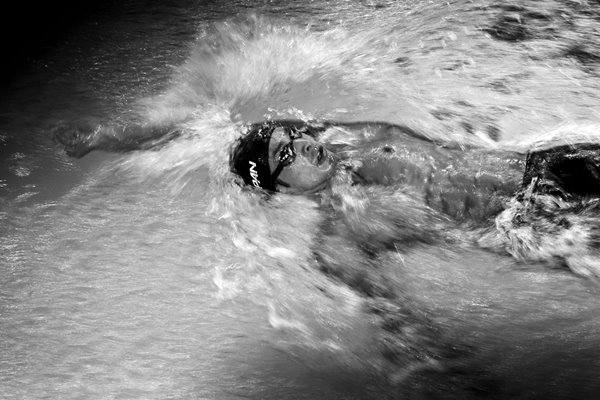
370, 132
82, 139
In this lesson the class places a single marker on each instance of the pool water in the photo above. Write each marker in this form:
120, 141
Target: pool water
152, 275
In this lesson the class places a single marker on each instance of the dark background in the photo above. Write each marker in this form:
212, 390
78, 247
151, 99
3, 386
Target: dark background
29, 30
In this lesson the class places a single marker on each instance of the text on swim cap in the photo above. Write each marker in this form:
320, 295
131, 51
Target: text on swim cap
254, 174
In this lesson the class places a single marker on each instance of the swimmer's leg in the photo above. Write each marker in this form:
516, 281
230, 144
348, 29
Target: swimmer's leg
79, 140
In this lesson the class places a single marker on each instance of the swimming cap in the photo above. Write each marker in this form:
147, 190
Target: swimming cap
250, 157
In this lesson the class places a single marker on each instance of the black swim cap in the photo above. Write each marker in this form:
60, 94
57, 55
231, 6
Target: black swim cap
250, 156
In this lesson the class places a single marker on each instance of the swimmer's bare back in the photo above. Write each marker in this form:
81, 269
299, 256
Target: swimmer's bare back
80, 139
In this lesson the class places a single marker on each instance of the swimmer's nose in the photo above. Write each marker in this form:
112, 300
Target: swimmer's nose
312, 151
304, 147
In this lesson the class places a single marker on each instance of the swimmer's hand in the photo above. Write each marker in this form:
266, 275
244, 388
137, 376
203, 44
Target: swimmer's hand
78, 140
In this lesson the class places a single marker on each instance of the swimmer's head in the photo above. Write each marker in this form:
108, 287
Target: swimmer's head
282, 157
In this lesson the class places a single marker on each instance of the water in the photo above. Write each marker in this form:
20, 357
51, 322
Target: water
152, 275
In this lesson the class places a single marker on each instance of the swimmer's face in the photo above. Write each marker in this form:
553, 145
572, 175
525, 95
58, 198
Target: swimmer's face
305, 164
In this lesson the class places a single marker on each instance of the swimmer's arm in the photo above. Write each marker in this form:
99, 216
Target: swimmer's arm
79, 140
375, 131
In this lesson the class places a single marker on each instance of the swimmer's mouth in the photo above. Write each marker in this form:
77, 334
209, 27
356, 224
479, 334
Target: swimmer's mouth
321, 156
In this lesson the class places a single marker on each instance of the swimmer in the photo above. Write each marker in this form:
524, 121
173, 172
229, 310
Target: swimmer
543, 204
287, 156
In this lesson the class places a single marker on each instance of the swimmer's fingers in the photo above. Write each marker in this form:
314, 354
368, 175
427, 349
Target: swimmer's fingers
77, 139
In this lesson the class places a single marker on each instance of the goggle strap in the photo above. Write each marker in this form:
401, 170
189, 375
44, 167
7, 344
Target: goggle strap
282, 183
277, 172
293, 135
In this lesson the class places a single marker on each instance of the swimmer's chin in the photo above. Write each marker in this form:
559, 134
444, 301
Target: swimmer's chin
290, 190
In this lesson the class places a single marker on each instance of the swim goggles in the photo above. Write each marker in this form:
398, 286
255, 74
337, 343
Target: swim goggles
287, 155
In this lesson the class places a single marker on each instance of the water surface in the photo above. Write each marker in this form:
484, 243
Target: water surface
153, 275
